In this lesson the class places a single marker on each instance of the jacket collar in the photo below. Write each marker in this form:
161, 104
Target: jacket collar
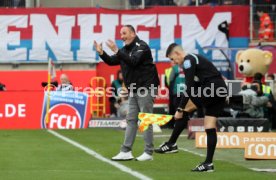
133, 43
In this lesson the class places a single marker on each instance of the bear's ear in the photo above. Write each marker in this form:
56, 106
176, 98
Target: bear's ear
238, 55
267, 57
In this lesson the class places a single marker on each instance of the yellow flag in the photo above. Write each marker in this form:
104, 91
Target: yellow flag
148, 119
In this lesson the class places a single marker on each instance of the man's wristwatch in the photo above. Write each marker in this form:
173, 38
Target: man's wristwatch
180, 110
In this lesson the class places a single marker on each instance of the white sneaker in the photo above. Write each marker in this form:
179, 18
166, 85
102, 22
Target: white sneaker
123, 156
144, 157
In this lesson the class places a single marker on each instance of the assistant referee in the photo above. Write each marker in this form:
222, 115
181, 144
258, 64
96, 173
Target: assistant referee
204, 83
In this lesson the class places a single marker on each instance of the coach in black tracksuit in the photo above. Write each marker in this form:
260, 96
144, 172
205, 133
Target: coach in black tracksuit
138, 71
204, 83
136, 64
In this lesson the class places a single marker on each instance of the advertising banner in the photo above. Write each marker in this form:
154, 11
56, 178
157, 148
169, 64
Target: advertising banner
107, 123
20, 110
260, 150
235, 140
243, 124
67, 34
67, 110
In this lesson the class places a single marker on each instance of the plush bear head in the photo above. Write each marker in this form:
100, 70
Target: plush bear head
252, 61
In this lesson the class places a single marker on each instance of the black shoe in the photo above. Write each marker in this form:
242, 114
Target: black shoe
204, 167
166, 148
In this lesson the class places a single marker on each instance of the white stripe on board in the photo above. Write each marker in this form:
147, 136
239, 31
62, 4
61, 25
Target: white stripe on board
100, 157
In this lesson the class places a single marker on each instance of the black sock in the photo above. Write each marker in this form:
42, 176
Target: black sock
211, 144
178, 128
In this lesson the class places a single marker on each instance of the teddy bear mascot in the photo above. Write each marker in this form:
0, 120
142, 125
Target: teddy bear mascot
252, 61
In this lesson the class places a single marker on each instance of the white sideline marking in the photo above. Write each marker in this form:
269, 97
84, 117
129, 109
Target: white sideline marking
100, 157
187, 150
196, 153
264, 170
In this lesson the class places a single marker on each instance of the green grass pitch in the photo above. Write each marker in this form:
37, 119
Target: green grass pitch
37, 154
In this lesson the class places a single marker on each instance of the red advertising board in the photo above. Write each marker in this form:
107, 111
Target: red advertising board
21, 105
21, 110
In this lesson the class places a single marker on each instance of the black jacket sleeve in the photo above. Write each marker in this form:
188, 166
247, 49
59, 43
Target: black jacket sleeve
189, 69
110, 60
136, 57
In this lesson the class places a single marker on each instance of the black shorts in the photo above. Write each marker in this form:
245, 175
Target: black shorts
213, 105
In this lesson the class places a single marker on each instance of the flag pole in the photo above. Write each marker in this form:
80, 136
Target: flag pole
48, 91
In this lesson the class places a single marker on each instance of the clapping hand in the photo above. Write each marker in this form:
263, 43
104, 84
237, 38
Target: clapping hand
112, 46
98, 47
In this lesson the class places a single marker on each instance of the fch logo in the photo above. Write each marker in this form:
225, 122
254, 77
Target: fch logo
63, 116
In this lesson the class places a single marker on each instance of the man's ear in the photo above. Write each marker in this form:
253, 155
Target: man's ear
238, 55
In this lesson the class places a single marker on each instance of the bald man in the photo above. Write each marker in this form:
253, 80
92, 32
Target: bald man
65, 84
